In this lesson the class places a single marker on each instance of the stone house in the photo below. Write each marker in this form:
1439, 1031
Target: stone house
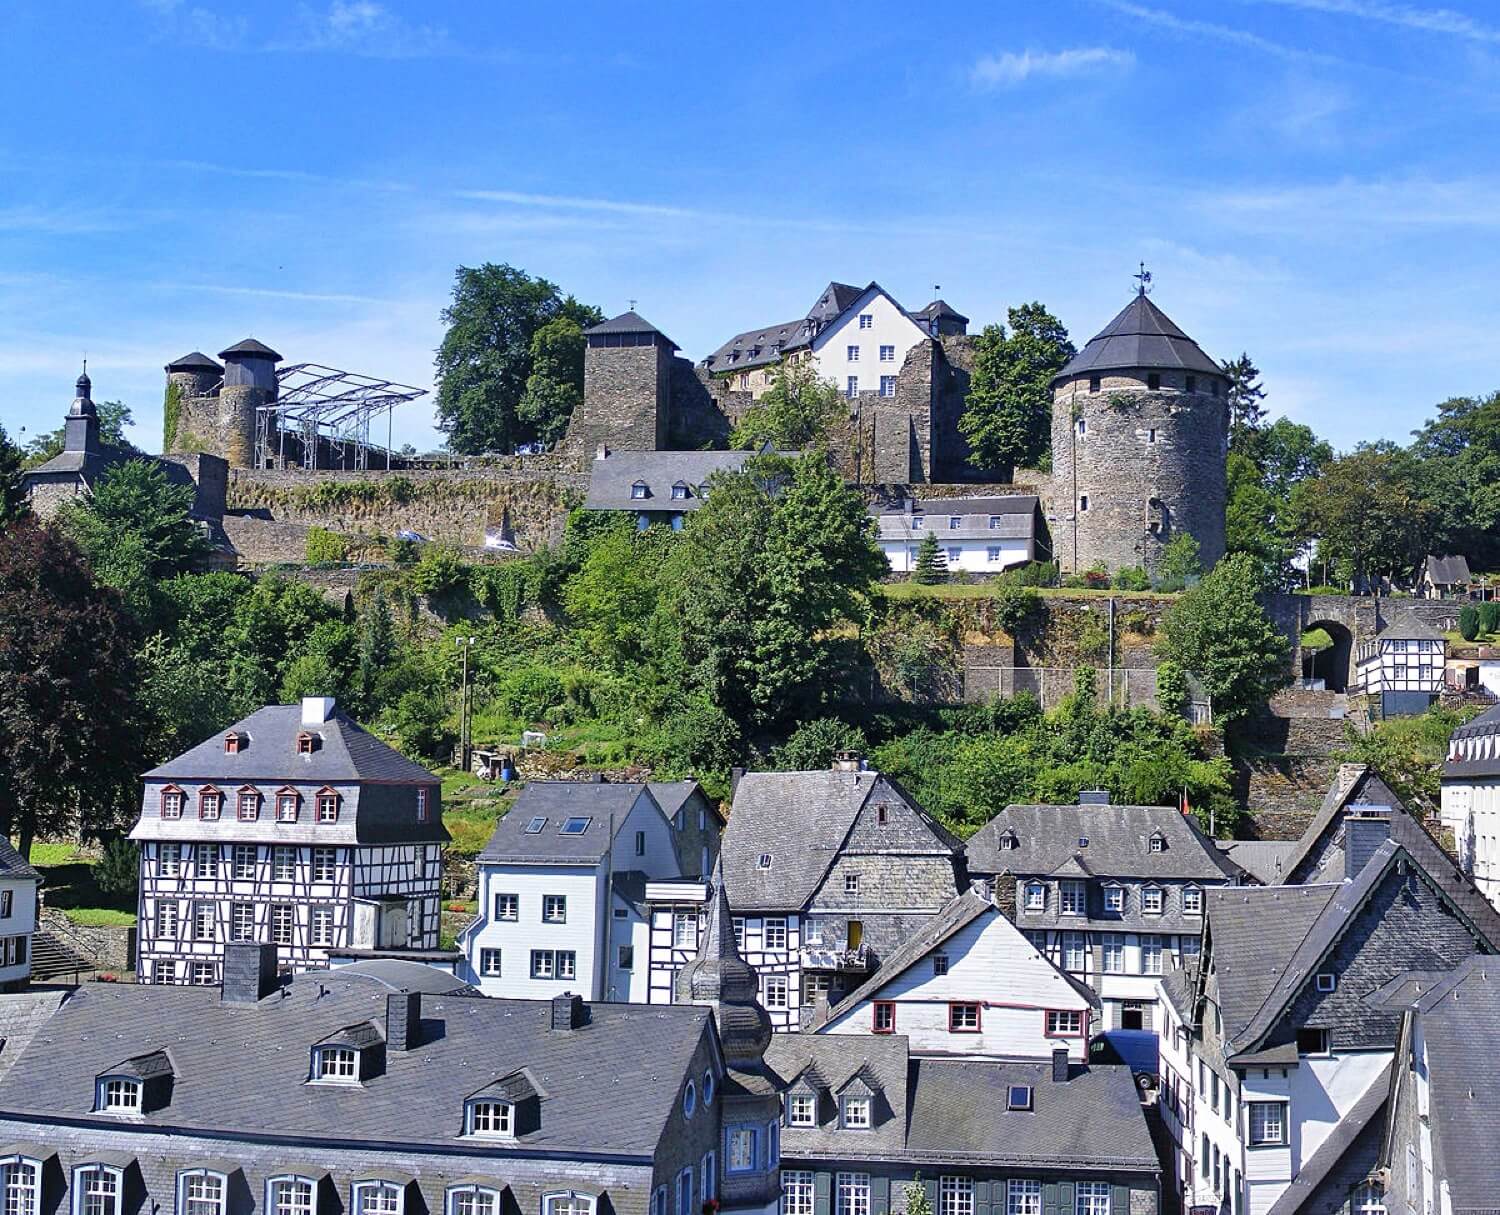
1445, 577
866, 1118
294, 827
1277, 1047
387, 1093
1111, 894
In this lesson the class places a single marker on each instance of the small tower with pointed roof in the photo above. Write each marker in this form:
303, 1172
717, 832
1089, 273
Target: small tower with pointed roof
751, 1091
81, 427
627, 387
1140, 433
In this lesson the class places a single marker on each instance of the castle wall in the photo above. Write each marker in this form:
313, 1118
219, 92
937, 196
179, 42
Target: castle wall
626, 399
210, 476
1150, 464
223, 425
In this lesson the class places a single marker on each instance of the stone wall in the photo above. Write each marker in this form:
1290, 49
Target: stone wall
453, 505
626, 400
111, 948
210, 476
1283, 792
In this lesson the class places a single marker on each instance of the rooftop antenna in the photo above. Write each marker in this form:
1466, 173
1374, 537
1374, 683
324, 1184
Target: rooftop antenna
632, 305
1144, 281
937, 290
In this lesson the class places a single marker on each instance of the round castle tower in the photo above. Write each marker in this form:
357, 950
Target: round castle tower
215, 407
1140, 432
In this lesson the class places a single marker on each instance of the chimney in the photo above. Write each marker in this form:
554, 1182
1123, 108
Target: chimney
847, 761
734, 781
567, 1011
249, 972
403, 1020
1093, 797
1365, 829
1060, 1065
316, 710
602, 452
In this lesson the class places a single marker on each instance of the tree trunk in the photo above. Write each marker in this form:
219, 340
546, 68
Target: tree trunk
28, 835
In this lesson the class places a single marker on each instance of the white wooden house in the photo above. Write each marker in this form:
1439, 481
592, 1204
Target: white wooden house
1403, 665
982, 535
969, 983
1470, 806
295, 827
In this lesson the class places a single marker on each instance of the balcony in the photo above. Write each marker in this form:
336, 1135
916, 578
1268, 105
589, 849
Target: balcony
837, 958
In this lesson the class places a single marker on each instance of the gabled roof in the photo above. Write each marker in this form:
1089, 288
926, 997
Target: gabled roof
519, 1085
801, 820
941, 308
1364, 1116
1479, 735
143, 1067
672, 795
1351, 783
836, 1059
605, 804
628, 322
611, 479
1118, 843
196, 361
1407, 626
1263, 860
1141, 337
251, 348
13, 864
765, 345
1447, 571
355, 1037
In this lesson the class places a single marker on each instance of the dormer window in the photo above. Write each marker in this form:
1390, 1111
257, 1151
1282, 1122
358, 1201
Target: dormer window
1018, 1097
172, 799
328, 806
234, 743
249, 805
855, 1113
336, 1064
1009, 842
1158, 842
1071, 898
568, 1202
1153, 899
289, 1195
680, 492
473, 1200
763, 861
1192, 900
307, 742
210, 803
802, 1109
1036, 897
640, 490
288, 805
703, 490
1114, 898
490, 1119
118, 1095
379, 1198
200, 1192
97, 1189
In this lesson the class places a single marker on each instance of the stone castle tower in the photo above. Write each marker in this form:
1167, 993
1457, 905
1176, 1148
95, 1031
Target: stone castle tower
1140, 432
215, 407
627, 387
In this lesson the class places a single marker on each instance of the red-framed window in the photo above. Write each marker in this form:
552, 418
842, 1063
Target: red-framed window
234, 743
210, 803
963, 1017
172, 801
307, 743
883, 1017
247, 804
288, 805
1063, 1023
328, 805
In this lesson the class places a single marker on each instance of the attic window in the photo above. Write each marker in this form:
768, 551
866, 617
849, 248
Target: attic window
118, 1095
288, 805
1327, 981
763, 861
882, 813
679, 492
575, 826
640, 490
307, 742
1008, 842
856, 1113
703, 490
248, 804
490, 1119
336, 1065
171, 802
234, 744
1158, 843
210, 803
328, 806
1018, 1097
534, 827
802, 1109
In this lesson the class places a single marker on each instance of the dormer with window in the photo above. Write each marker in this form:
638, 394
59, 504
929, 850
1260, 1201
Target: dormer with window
308, 741
858, 1100
1008, 841
1034, 897
327, 802
679, 491
807, 1100
1153, 900
210, 803
288, 804
173, 799
1157, 842
247, 804
353, 1055
504, 1109
138, 1086
639, 491
235, 742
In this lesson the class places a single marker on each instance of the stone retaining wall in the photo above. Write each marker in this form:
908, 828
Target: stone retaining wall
110, 948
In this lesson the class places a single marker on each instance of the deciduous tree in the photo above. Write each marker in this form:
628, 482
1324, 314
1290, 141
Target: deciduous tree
795, 412
1007, 418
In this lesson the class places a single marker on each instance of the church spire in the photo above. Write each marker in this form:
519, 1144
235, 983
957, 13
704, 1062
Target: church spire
721, 979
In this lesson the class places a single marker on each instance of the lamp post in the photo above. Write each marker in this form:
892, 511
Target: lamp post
465, 644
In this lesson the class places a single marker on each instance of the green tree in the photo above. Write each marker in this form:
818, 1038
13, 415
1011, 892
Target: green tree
555, 386
1171, 689
1007, 417
930, 567
114, 417
795, 412
12, 496
119, 868
814, 744
1459, 456
1251, 523
1468, 622
1179, 561
917, 1202
487, 355
271, 628
1220, 633
612, 598
1245, 396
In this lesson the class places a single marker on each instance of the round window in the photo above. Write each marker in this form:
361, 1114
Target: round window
689, 1100
708, 1087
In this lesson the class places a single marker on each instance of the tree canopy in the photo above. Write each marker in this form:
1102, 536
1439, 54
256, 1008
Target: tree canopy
501, 380
1007, 417
794, 413
12, 495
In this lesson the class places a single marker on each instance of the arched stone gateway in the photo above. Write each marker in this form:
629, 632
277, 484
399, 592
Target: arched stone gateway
1333, 664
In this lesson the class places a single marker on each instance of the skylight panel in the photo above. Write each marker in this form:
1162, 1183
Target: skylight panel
534, 827
575, 826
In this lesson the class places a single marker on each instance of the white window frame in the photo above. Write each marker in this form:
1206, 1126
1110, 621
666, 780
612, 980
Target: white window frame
1023, 1196
1260, 1129
866, 320
482, 1200
320, 926
1153, 895
325, 863
1072, 898
851, 883
376, 1196
169, 860
685, 930
852, 1194
776, 992
796, 1192
1112, 953
1114, 898
887, 385
282, 923
486, 1118
277, 1202
507, 905
1152, 954
851, 354
203, 974
240, 864
119, 1095
490, 963
851, 387
1034, 897
955, 1196
736, 1140
287, 807
776, 934
204, 1204
104, 1200
206, 860
554, 909
168, 917
236, 929
1071, 945
802, 1109
1192, 900
283, 863
335, 1065
1091, 1197
855, 1113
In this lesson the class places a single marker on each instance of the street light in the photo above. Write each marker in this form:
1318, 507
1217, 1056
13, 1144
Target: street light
465, 644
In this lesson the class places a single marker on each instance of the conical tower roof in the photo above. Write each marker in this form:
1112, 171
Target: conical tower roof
1141, 337
721, 979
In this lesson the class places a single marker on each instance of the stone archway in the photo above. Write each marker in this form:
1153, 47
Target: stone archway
1333, 663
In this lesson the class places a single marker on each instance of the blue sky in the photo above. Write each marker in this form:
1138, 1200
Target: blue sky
1312, 181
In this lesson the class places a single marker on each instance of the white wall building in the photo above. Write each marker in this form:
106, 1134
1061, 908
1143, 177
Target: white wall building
1471, 799
295, 827
563, 888
968, 983
19, 883
1403, 664
974, 535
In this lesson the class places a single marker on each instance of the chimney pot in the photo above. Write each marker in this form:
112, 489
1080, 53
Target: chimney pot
316, 710
567, 1011
735, 775
847, 761
1060, 1065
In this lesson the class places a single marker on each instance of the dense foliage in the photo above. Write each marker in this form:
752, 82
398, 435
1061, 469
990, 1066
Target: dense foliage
1007, 417
794, 413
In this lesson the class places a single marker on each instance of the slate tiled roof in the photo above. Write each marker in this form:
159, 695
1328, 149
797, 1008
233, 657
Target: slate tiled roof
672, 795
13, 864
611, 1085
1314, 854
941, 308
611, 479
627, 322
252, 348
1406, 626
1448, 571
1316, 1169
1015, 517
348, 752
22, 1015
1141, 337
1263, 860
765, 345
605, 804
1118, 843
835, 1059
195, 361
799, 819
1480, 738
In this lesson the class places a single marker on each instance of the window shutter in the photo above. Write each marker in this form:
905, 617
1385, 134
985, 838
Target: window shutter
820, 1193
1064, 1198
981, 1198
1119, 1200
1049, 1198
880, 1195
932, 1192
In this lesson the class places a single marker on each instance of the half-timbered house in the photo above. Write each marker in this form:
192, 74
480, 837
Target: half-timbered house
295, 827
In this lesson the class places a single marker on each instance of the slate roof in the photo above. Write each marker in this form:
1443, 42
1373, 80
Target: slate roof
1118, 843
769, 342
243, 1069
1407, 626
1263, 860
952, 919
835, 1059
1141, 337
195, 361
22, 1015
1447, 571
349, 753
606, 805
251, 348
395, 974
611, 479
1015, 515
628, 322
1480, 734
672, 795
801, 819
1321, 1164
944, 309
1350, 782
13, 864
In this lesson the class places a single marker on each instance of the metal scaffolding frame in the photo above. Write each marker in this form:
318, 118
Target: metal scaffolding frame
316, 405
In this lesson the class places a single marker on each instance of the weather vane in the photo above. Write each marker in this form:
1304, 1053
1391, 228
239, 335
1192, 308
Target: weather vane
632, 305
1144, 279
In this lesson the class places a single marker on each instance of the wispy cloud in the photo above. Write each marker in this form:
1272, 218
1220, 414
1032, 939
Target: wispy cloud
1351, 204
58, 221
1192, 26
1406, 16
1011, 68
311, 297
573, 203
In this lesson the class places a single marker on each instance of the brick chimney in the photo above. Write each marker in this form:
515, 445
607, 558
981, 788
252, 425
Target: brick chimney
567, 1011
249, 972
403, 1020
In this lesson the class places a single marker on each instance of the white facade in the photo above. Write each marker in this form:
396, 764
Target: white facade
1022, 1004
552, 927
18, 922
862, 351
1470, 808
1124, 967
983, 556
1400, 664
